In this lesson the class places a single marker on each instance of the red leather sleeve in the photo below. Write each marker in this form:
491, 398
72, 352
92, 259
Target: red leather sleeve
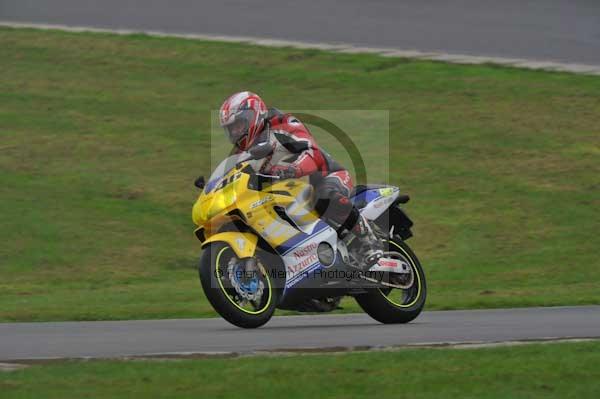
305, 165
296, 138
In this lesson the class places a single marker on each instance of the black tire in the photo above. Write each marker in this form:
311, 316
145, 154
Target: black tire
376, 303
216, 293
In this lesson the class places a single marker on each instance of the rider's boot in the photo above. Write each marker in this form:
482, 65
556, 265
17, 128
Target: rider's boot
372, 248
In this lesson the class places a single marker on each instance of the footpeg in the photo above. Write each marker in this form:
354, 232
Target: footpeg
373, 258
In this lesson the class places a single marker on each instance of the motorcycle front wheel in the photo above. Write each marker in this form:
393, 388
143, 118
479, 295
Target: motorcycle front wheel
242, 292
397, 305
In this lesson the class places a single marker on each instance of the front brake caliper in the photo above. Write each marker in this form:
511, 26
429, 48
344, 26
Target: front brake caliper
244, 278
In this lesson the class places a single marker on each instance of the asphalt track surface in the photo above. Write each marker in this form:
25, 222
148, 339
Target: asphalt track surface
19, 341
547, 30
544, 30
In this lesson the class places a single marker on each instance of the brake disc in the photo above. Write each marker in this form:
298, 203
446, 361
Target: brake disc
245, 291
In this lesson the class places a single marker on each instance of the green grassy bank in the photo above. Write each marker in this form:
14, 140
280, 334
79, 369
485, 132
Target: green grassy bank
101, 137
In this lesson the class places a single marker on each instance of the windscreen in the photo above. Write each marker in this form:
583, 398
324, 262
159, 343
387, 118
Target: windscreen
225, 166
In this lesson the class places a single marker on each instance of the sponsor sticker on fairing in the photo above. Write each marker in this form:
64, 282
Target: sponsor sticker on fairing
261, 201
386, 192
390, 265
304, 256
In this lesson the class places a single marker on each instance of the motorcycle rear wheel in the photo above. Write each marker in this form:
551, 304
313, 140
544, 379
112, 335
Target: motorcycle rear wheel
216, 281
380, 304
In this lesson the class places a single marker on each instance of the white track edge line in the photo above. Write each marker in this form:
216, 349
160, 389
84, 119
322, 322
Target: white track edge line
338, 350
576, 68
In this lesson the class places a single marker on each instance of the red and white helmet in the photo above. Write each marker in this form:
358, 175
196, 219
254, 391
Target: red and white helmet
243, 117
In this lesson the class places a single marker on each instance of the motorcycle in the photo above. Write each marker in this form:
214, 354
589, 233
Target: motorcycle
265, 247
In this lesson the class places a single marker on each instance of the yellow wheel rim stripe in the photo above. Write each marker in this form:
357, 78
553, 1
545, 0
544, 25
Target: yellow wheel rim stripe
418, 281
227, 295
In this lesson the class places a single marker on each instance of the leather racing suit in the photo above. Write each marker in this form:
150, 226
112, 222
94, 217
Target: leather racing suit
295, 149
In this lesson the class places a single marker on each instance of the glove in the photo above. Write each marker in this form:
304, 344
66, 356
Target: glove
284, 172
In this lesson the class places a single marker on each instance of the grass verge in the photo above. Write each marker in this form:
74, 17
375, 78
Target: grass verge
566, 370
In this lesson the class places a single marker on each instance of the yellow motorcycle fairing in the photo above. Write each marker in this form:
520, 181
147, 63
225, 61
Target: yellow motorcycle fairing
232, 198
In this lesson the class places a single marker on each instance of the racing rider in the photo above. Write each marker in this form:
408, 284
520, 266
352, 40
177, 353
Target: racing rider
295, 153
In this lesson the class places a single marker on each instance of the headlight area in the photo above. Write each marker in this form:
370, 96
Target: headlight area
218, 201
221, 200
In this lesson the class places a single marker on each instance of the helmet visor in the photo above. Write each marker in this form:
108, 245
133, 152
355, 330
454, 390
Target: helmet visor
238, 128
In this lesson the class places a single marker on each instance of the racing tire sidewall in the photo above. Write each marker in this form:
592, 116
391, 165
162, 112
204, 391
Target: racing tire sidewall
376, 304
219, 300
